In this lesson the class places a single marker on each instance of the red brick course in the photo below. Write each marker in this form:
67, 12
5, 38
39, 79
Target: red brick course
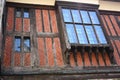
100, 59
10, 19
53, 21
107, 60
72, 60
41, 52
79, 59
105, 25
27, 59
46, 21
49, 50
17, 59
59, 56
7, 51
110, 25
18, 24
38, 17
116, 56
117, 28
86, 59
26, 25
94, 61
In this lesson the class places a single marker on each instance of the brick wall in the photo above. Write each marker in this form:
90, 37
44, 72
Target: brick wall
46, 54
112, 26
46, 49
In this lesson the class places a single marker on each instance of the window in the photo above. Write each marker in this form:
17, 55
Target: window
83, 27
22, 12
18, 12
18, 44
26, 13
26, 44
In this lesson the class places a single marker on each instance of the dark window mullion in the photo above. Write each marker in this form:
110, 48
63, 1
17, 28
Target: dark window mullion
43, 30
74, 26
84, 27
93, 28
22, 11
22, 44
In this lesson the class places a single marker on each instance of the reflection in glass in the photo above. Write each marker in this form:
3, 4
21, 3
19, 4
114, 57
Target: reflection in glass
85, 17
26, 44
26, 13
91, 35
17, 44
81, 34
71, 33
66, 15
18, 12
100, 34
76, 16
94, 17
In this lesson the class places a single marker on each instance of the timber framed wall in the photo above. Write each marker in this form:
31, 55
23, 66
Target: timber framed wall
46, 56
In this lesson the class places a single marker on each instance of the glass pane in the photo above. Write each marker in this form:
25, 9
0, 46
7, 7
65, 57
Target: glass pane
81, 34
71, 33
91, 35
85, 17
94, 17
17, 44
26, 13
18, 12
76, 16
66, 15
26, 44
100, 34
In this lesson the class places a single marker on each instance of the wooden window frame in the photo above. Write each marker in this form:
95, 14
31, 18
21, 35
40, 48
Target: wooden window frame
67, 47
84, 24
22, 44
22, 12
21, 34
